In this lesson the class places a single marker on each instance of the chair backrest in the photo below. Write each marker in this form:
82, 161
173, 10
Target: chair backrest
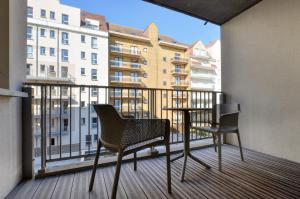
228, 120
112, 124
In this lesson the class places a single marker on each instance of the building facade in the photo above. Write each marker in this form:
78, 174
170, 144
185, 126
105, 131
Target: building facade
214, 49
54, 34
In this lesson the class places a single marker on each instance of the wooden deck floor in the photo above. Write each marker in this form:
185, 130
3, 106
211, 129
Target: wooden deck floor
260, 176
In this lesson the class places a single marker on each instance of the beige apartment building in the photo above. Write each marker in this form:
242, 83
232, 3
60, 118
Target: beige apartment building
141, 59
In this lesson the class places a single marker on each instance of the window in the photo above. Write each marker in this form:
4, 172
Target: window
82, 121
29, 51
82, 104
65, 103
43, 13
117, 104
118, 76
30, 12
64, 72
64, 55
134, 76
52, 34
82, 38
82, 55
42, 50
88, 139
164, 71
145, 62
65, 19
51, 69
43, 32
145, 50
164, 59
94, 42
52, 52
134, 50
94, 74
95, 137
94, 122
93, 109
94, 92
52, 141
42, 69
66, 124
94, 59
145, 75
52, 15
29, 32
28, 69
164, 83
82, 71
65, 38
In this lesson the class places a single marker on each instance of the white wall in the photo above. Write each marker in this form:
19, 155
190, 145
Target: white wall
10, 108
260, 70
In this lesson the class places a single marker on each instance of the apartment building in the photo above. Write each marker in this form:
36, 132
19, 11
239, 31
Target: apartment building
54, 34
146, 59
214, 49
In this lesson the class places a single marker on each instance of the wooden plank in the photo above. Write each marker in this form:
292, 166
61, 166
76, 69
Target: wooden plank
64, 186
46, 188
99, 190
80, 185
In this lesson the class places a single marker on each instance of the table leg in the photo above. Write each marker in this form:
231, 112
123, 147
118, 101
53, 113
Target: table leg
178, 157
199, 161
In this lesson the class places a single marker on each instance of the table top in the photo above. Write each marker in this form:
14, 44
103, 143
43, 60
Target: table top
186, 109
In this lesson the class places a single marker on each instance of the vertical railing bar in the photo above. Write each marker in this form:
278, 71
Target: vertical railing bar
122, 100
42, 129
89, 125
60, 118
148, 101
142, 90
128, 99
135, 101
50, 122
98, 93
80, 120
172, 111
70, 128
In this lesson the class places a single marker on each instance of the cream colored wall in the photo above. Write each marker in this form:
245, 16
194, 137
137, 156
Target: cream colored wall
260, 70
10, 108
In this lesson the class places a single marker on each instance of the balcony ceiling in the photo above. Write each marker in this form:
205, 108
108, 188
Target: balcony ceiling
214, 11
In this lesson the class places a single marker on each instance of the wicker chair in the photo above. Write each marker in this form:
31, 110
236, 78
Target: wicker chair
127, 136
228, 123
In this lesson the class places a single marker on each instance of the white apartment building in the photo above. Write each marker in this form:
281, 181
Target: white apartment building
203, 69
214, 49
67, 45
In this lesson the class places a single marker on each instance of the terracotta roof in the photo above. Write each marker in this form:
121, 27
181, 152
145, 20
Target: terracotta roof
100, 18
170, 40
127, 30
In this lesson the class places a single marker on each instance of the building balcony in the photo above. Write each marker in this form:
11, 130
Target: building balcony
179, 95
126, 80
125, 51
129, 108
180, 60
203, 76
50, 77
180, 84
199, 65
126, 66
179, 72
125, 94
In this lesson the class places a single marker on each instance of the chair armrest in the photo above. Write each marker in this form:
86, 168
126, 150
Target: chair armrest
229, 114
128, 116
140, 130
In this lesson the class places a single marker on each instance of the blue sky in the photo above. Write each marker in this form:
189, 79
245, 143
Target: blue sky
139, 14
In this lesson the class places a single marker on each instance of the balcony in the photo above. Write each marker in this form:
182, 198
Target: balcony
50, 77
125, 94
180, 84
179, 95
203, 76
201, 65
179, 72
114, 49
126, 80
180, 60
125, 66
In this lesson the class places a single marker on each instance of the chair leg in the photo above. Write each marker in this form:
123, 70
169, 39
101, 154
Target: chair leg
214, 141
134, 161
99, 144
168, 166
219, 151
183, 168
117, 175
240, 145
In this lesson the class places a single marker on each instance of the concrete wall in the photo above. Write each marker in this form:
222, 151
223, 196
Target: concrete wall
260, 70
12, 64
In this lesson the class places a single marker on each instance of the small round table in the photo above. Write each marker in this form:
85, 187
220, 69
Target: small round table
186, 151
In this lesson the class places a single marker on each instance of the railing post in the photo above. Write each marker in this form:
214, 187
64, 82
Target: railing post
43, 106
27, 135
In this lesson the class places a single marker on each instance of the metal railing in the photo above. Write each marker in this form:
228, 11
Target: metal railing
123, 50
67, 128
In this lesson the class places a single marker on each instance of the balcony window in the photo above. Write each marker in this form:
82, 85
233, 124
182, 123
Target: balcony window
43, 32
42, 69
82, 104
83, 121
117, 104
94, 41
29, 51
64, 55
82, 55
117, 61
94, 122
177, 56
95, 137
94, 74
134, 50
29, 12
52, 52
94, 92
52, 15
92, 107
82, 38
51, 69
94, 59
42, 50
82, 71
43, 13
134, 77
66, 121
118, 76
64, 72
28, 69
52, 141
88, 140
116, 47
65, 19
29, 32
52, 34
177, 68
65, 38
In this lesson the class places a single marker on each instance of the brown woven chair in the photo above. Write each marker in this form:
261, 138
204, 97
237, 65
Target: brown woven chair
228, 115
127, 136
